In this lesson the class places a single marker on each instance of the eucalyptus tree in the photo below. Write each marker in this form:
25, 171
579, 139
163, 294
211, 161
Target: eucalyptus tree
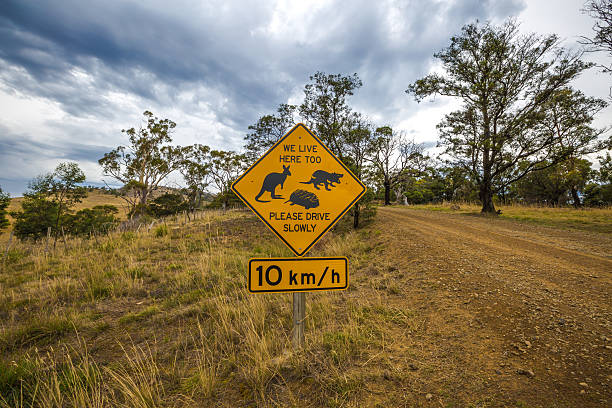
599, 191
505, 82
145, 162
326, 111
50, 197
196, 170
358, 148
391, 156
225, 167
568, 116
601, 10
555, 185
268, 130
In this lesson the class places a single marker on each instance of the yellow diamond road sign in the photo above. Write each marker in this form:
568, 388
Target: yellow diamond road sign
299, 189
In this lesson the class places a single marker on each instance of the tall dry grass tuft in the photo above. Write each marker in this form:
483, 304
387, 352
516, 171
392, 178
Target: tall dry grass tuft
205, 379
47, 381
137, 381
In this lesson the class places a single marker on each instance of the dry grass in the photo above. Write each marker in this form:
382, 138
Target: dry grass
168, 321
590, 219
162, 318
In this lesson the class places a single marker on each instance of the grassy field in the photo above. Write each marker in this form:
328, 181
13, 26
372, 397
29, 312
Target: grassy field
162, 318
93, 198
589, 219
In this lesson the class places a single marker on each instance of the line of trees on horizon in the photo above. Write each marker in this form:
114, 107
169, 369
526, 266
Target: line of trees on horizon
522, 134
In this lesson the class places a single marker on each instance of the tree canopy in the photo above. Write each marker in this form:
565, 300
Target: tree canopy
326, 110
268, 130
601, 10
506, 82
49, 200
145, 162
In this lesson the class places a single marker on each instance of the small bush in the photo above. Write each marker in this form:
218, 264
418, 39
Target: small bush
99, 219
36, 216
5, 200
167, 204
128, 236
161, 231
13, 256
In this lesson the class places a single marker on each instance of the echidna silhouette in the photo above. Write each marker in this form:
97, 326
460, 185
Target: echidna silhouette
304, 198
270, 183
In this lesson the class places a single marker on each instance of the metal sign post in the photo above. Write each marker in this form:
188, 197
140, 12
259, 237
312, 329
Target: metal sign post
299, 315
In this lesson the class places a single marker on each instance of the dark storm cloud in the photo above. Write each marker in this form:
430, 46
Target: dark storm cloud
229, 61
16, 145
20, 155
130, 47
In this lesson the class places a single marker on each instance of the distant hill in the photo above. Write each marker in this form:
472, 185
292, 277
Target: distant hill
96, 197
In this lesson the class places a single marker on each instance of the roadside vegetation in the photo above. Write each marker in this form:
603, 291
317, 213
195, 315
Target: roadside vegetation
81, 324
160, 316
588, 219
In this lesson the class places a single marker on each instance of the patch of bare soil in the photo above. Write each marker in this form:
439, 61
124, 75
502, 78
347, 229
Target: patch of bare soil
513, 314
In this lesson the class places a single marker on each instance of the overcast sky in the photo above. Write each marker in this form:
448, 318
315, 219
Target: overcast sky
73, 73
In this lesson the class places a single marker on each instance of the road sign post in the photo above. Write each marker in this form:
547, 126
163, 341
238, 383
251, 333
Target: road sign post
299, 315
299, 189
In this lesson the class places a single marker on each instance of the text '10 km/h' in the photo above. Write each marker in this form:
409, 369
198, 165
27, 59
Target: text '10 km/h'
291, 274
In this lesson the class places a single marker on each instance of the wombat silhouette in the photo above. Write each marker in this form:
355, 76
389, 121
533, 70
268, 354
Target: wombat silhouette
270, 183
323, 177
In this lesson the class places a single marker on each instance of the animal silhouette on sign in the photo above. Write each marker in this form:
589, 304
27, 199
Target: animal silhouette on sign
304, 198
270, 183
323, 177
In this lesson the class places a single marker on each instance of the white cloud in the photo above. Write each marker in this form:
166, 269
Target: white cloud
72, 75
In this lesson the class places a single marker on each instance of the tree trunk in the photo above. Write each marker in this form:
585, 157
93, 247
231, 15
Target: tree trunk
486, 198
57, 222
387, 193
356, 216
398, 194
576, 197
401, 197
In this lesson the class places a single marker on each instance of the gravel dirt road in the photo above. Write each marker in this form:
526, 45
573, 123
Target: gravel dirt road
513, 314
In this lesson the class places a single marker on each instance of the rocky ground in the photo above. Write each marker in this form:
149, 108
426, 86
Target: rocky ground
514, 314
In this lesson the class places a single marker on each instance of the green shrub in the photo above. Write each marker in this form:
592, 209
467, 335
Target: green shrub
36, 216
161, 231
14, 376
167, 204
100, 218
15, 255
5, 200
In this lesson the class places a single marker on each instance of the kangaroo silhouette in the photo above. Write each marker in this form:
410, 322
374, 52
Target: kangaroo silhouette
270, 183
